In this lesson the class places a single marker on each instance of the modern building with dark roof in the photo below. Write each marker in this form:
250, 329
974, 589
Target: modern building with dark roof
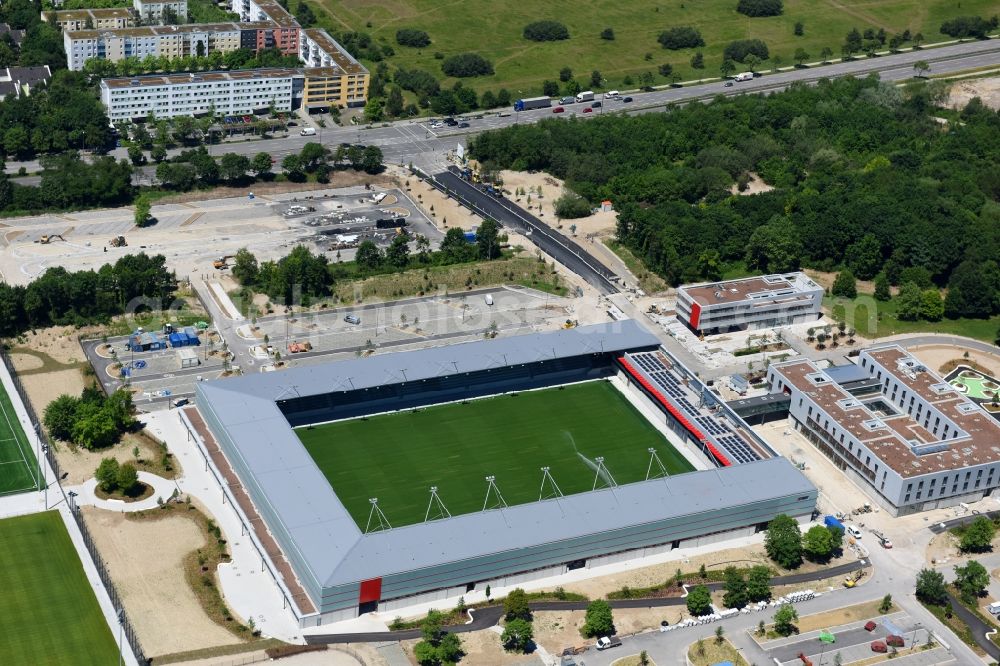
906, 435
330, 569
756, 302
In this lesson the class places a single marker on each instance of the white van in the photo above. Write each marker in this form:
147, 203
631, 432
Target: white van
308, 131
489, 299
994, 608
854, 531
612, 94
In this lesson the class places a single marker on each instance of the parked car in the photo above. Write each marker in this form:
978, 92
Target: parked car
870, 625
588, 110
558, 109
879, 646
180, 402
352, 319
606, 642
854, 531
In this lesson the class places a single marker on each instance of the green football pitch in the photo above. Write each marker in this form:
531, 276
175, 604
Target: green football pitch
18, 469
398, 457
48, 612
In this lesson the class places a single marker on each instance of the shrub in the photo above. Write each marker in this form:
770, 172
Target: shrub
740, 49
571, 206
608, 34
599, 620
412, 37
760, 7
546, 31
683, 37
968, 26
466, 64
699, 600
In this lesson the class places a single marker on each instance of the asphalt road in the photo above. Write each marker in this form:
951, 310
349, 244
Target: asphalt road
413, 141
978, 627
484, 618
562, 249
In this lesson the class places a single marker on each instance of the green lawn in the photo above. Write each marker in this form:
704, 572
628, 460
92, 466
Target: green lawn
48, 612
398, 457
18, 466
495, 31
877, 319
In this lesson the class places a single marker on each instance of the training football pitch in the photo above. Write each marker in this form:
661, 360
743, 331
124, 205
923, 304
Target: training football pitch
48, 612
18, 469
398, 457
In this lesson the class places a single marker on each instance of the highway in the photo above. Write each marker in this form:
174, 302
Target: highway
407, 141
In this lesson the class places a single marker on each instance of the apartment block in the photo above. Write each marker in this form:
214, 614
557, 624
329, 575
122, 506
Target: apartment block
750, 303
283, 34
90, 19
222, 93
170, 41
896, 427
333, 77
151, 11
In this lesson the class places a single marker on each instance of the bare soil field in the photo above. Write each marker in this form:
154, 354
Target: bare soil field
145, 560
986, 89
600, 224
937, 356
483, 648
263, 189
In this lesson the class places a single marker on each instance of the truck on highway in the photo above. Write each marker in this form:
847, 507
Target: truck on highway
744, 76
530, 103
585, 96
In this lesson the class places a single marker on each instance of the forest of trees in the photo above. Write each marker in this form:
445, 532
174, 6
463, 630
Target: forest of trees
863, 177
58, 296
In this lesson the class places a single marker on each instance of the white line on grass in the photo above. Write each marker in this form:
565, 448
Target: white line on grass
13, 432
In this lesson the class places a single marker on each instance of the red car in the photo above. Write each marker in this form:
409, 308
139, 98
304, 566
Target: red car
588, 110
558, 109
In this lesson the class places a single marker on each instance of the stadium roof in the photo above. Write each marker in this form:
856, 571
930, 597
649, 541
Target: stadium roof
337, 552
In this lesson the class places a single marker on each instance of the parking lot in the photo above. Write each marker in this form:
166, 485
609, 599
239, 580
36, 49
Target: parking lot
156, 376
854, 643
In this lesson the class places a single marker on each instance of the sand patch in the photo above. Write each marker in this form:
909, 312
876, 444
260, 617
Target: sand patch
61, 343
935, 356
79, 464
446, 211
557, 630
987, 89
43, 388
598, 224
146, 562
755, 186
26, 362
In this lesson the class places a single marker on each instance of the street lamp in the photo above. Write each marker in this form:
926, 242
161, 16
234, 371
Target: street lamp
121, 623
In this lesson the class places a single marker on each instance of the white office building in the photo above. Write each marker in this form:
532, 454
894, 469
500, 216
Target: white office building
749, 303
221, 93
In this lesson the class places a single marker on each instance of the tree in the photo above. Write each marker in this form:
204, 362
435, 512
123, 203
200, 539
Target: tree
775, 246
313, 155
517, 635
727, 68
699, 600
886, 604
801, 55
698, 60
261, 164
94, 430
740, 49
825, 54
372, 160
374, 109
817, 543
127, 478
921, 67
487, 239
759, 583
60, 415
799, 29
571, 206
438, 646
565, 74
978, 536
681, 37
466, 65
245, 268
760, 7
369, 257
233, 166
882, 292
845, 285
293, 167
142, 208
107, 474
666, 69
785, 618
736, 595
515, 605
963, 27
971, 580
931, 588
931, 305
413, 38
545, 31
136, 156
598, 621
550, 88
909, 302
398, 252
719, 633
783, 541
394, 103
968, 295
608, 34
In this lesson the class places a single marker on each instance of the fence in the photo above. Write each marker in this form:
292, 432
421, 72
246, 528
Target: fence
88, 540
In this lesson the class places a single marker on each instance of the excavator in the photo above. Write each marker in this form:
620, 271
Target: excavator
118, 241
48, 238
222, 262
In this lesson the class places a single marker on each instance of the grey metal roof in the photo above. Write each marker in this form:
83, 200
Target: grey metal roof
846, 374
336, 551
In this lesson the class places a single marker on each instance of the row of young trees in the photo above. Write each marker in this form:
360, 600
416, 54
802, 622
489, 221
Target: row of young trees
862, 174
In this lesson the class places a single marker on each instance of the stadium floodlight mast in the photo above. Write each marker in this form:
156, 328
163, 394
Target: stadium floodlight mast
554, 488
376, 512
491, 487
661, 470
602, 468
438, 505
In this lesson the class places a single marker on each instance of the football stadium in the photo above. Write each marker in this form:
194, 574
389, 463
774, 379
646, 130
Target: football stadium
373, 484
